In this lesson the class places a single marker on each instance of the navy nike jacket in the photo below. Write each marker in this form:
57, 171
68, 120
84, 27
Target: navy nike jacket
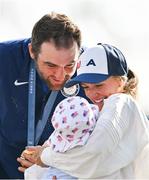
14, 68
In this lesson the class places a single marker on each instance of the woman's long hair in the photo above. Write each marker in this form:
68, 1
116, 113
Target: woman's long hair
131, 85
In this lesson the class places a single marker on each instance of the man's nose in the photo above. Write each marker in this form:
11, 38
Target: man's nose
61, 73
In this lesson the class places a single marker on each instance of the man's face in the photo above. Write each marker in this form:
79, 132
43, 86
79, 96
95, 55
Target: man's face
56, 66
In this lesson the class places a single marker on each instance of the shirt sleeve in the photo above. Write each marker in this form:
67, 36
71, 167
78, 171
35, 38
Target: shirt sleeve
89, 160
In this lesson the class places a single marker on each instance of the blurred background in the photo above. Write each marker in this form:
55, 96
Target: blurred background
122, 23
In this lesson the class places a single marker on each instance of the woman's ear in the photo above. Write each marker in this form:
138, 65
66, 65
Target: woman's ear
31, 51
78, 64
121, 83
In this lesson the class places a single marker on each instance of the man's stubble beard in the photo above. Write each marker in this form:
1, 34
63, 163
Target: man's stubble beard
48, 82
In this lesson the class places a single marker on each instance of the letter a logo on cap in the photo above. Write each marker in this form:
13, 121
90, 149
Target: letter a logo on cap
91, 62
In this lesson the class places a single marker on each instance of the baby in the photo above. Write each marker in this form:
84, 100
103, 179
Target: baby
73, 120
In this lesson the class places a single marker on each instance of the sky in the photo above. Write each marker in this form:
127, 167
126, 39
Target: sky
122, 23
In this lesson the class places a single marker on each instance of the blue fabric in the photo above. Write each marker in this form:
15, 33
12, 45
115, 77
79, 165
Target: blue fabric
60, 175
115, 59
86, 78
14, 65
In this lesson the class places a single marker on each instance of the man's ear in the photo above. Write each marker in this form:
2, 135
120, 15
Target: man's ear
78, 64
31, 51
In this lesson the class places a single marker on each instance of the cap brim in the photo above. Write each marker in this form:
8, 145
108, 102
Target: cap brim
86, 78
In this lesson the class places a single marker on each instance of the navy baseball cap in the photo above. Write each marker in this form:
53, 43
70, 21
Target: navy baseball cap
98, 63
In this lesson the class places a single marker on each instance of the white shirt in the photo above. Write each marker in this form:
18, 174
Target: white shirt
116, 147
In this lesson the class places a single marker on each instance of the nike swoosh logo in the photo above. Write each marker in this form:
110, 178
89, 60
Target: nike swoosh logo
16, 83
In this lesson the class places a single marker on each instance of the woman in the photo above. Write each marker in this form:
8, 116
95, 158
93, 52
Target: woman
120, 140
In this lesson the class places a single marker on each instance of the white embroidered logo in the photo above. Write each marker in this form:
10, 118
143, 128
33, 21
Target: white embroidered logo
71, 91
16, 83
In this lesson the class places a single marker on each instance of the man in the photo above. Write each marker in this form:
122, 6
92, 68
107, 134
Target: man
54, 49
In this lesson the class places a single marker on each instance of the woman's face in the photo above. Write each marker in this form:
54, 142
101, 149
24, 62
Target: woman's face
98, 92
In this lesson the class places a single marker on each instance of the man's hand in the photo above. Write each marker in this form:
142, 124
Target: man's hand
26, 160
24, 164
30, 156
